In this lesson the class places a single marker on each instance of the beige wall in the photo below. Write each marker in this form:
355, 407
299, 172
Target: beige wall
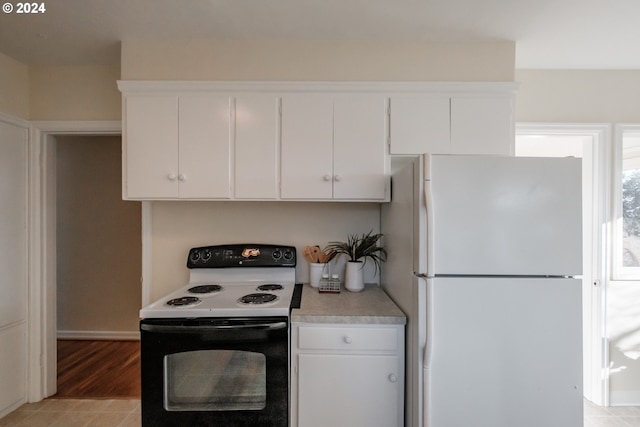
14, 87
578, 96
98, 239
317, 60
74, 93
178, 226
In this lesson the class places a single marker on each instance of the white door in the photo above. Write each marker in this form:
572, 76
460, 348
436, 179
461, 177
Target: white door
13, 266
506, 215
589, 143
347, 391
151, 141
307, 147
481, 125
204, 147
504, 352
256, 146
359, 147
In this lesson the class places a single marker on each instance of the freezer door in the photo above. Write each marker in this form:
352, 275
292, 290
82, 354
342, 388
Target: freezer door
504, 215
504, 352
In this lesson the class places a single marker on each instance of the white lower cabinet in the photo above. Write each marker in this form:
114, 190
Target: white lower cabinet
347, 375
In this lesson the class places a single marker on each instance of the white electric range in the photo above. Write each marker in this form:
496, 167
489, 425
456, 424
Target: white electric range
216, 352
247, 280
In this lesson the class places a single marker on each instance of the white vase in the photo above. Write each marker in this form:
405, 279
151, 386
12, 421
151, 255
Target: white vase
354, 276
315, 273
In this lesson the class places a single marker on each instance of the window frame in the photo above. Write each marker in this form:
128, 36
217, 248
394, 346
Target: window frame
618, 271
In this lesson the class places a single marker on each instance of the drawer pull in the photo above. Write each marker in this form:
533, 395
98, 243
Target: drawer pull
348, 340
393, 378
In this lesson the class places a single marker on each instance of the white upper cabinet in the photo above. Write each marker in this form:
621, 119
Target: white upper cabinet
204, 147
333, 147
359, 146
418, 122
482, 125
151, 147
256, 156
176, 147
299, 140
307, 146
469, 119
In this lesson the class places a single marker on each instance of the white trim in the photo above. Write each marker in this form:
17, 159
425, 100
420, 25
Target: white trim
145, 280
42, 307
99, 335
14, 120
598, 390
158, 86
625, 398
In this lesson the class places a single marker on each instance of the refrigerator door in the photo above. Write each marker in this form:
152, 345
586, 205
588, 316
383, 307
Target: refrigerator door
503, 352
503, 215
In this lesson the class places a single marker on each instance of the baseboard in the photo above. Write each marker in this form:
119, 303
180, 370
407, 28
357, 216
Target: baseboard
99, 335
624, 398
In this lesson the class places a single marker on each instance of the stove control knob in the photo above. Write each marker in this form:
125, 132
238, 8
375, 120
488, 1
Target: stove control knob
288, 255
277, 254
195, 256
206, 255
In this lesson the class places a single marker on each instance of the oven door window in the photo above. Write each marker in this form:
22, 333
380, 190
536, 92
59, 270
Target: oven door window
215, 380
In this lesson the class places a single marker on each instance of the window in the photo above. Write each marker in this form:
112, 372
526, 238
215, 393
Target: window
627, 203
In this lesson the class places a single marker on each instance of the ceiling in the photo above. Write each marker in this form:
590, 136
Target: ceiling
572, 34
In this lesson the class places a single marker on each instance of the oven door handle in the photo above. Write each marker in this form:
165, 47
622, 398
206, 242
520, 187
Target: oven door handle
203, 328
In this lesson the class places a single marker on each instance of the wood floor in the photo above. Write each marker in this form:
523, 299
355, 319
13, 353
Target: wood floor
98, 369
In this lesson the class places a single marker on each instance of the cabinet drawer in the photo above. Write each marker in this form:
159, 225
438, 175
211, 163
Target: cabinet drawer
312, 338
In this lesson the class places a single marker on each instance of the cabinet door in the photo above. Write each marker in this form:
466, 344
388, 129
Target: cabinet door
359, 145
307, 158
256, 147
482, 125
204, 147
151, 140
419, 124
347, 390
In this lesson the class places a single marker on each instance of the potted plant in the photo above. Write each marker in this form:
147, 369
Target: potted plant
358, 249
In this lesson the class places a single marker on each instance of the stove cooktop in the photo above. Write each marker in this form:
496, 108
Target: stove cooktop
247, 280
226, 299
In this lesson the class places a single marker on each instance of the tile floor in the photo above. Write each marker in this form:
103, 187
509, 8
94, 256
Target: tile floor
126, 413
75, 413
613, 416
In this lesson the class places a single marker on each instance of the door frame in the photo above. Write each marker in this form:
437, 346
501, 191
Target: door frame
42, 330
597, 388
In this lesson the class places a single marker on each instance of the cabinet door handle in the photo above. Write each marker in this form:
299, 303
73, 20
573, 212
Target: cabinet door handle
182, 177
171, 176
393, 378
338, 177
327, 177
348, 340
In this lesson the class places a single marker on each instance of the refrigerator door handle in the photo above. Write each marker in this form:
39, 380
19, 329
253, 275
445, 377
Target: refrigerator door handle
428, 201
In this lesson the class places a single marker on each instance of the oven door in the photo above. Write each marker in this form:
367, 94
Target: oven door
215, 371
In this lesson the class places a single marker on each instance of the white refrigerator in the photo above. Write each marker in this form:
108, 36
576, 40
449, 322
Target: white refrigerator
483, 257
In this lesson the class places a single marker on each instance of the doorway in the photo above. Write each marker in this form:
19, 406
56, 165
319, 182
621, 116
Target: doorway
98, 262
43, 326
98, 243
589, 143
